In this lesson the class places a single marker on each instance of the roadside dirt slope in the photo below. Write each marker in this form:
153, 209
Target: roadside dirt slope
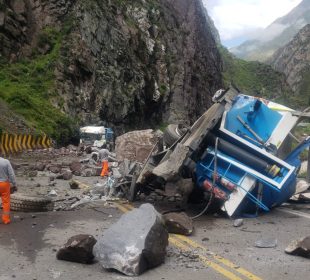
11, 122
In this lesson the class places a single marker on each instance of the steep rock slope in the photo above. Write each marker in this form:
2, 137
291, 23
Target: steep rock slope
128, 64
294, 61
140, 63
276, 35
31, 36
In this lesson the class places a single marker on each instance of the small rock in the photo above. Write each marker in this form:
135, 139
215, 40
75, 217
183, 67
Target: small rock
238, 222
178, 223
32, 173
59, 176
55, 168
40, 166
76, 168
87, 172
299, 247
88, 150
52, 193
266, 243
74, 185
78, 248
51, 178
67, 175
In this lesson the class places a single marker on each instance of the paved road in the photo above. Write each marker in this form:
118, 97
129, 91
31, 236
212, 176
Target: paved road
217, 250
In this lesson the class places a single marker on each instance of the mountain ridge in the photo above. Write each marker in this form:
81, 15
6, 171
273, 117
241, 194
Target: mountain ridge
282, 30
293, 60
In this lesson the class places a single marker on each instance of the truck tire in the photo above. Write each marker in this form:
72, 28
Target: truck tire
172, 133
26, 203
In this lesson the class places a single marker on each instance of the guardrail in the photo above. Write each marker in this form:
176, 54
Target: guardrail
14, 143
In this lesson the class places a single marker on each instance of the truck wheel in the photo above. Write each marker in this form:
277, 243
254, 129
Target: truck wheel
172, 133
26, 203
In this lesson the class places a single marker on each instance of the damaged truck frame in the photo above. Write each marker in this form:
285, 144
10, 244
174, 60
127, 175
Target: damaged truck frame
236, 152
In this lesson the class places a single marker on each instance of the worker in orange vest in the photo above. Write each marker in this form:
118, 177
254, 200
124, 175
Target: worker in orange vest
7, 186
104, 155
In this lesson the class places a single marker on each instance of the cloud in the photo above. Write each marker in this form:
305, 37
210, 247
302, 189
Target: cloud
245, 18
273, 31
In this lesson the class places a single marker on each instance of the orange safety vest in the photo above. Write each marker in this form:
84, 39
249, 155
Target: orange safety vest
5, 192
105, 168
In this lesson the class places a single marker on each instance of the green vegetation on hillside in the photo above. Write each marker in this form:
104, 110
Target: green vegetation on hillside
253, 78
28, 85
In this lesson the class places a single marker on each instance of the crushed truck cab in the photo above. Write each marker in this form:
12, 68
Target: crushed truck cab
242, 160
235, 151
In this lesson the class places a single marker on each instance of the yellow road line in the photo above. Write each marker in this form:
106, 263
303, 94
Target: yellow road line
224, 261
205, 260
129, 206
121, 207
219, 268
178, 244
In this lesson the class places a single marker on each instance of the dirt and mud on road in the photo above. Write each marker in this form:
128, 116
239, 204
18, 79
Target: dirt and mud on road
216, 250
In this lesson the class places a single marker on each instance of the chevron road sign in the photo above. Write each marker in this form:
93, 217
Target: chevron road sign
14, 143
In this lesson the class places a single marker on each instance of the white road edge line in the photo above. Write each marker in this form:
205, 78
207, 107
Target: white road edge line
294, 212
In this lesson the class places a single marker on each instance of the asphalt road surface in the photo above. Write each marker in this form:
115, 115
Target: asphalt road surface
216, 250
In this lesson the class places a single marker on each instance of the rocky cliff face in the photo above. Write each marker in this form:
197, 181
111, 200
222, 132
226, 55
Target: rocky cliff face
294, 61
130, 64
21, 22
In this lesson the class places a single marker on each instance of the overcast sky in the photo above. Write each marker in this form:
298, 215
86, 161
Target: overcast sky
238, 20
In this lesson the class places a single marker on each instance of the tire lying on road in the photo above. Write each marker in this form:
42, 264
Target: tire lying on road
25, 203
172, 133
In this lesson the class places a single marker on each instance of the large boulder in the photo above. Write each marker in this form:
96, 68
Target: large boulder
78, 248
136, 145
135, 243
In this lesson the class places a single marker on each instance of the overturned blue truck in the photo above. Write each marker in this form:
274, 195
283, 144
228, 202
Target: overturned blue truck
236, 152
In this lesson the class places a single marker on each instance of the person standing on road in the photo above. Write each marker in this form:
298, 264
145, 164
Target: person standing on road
7, 186
104, 155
